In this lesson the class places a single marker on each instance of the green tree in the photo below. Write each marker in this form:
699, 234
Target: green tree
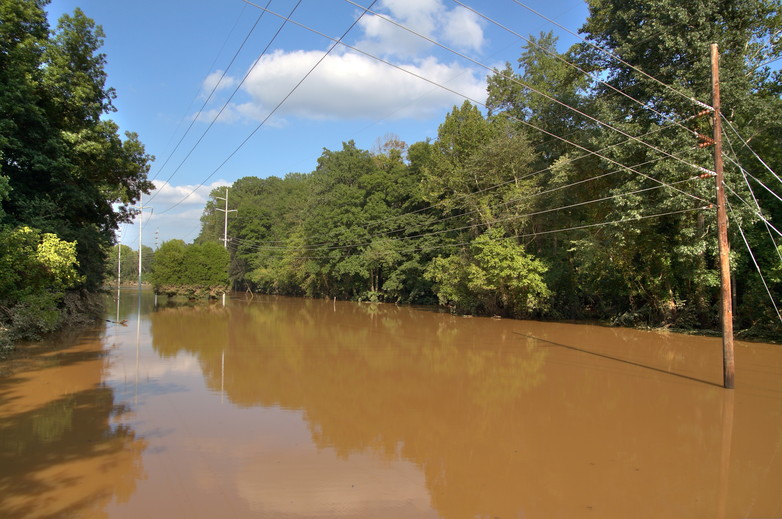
543, 68
129, 263
496, 277
66, 165
169, 265
478, 171
676, 281
196, 270
35, 270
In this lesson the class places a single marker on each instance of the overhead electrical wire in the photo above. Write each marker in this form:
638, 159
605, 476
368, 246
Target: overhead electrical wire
755, 262
187, 111
339, 41
746, 145
619, 59
752, 192
480, 103
749, 206
287, 19
576, 67
588, 152
206, 101
531, 88
484, 224
222, 109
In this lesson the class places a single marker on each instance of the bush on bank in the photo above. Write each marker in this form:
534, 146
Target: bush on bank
193, 271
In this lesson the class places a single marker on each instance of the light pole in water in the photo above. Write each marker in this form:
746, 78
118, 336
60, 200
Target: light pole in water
226, 211
225, 224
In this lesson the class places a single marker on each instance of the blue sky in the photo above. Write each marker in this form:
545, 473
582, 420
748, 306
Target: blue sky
165, 58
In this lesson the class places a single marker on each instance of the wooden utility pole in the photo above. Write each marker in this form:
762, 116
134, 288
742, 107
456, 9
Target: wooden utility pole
726, 298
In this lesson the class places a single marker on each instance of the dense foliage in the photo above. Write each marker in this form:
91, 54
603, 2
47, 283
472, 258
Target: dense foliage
128, 261
581, 192
67, 178
195, 270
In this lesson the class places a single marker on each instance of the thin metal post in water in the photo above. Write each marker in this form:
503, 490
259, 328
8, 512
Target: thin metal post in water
140, 220
726, 300
222, 376
119, 258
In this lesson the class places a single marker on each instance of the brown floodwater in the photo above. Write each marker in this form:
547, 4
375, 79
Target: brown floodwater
290, 408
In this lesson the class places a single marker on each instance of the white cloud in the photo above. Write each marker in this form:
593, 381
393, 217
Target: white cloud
214, 82
387, 39
350, 85
354, 86
457, 27
463, 29
182, 221
166, 195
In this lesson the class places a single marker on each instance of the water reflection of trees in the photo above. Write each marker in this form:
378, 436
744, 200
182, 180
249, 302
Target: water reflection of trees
60, 454
467, 400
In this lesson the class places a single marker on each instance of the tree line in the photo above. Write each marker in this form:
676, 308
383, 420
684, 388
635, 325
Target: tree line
67, 177
580, 191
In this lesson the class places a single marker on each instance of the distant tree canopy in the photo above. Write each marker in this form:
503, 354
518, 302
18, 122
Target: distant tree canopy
63, 168
128, 259
197, 270
578, 193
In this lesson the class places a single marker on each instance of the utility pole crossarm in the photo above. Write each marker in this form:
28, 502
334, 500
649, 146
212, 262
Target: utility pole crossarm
226, 211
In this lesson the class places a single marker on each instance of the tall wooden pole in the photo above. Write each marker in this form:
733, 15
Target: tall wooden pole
726, 299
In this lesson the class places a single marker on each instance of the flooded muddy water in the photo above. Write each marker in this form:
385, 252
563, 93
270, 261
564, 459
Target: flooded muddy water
292, 408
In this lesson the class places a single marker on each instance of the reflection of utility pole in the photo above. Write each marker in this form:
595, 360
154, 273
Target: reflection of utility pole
226, 211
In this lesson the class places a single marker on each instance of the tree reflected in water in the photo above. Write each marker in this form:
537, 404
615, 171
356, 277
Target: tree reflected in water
61, 454
500, 423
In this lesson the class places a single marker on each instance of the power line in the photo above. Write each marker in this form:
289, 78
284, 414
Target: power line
236, 23
752, 192
757, 213
755, 262
483, 224
573, 65
533, 89
278, 104
339, 41
746, 145
477, 102
209, 97
222, 109
620, 60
